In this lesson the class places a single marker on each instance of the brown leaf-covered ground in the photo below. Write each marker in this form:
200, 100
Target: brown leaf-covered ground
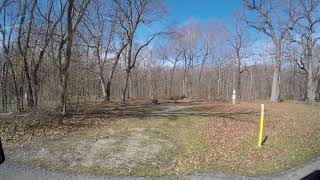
165, 139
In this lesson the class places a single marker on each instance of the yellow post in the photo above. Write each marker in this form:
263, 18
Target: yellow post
261, 125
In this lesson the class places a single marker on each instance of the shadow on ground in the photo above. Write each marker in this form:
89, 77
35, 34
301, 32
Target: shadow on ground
149, 109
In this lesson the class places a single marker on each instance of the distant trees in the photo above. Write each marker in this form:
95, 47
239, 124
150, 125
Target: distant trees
56, 54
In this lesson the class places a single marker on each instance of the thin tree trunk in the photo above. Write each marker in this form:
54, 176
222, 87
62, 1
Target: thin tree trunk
251, 84
124, 91
171, 79
238, 84
18, 100
129, 87
4, 87
35, 88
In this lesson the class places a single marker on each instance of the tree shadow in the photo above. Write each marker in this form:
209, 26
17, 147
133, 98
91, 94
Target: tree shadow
106, 111
312, 176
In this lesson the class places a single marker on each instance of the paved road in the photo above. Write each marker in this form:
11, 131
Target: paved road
13, 171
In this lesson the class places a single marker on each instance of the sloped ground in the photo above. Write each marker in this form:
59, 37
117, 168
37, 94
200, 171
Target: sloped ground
170, 139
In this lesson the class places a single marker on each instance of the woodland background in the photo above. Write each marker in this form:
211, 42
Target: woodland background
59, 52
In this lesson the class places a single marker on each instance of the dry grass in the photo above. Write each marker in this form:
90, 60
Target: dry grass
134, 140
291, 130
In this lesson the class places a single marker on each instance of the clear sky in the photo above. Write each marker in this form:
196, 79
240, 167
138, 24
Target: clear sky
201, 10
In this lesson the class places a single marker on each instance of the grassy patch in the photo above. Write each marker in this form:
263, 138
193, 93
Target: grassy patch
292, 139
203, 138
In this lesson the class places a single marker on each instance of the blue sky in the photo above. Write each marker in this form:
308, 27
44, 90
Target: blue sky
201, 10
181, 11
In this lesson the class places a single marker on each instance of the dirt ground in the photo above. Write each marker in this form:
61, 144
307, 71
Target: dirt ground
146, 139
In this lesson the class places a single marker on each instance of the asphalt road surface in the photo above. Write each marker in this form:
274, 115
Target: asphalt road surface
14, 171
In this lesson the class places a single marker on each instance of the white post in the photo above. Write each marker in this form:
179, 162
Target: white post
233, 96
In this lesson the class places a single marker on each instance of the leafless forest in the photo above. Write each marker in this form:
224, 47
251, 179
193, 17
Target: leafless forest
57, 53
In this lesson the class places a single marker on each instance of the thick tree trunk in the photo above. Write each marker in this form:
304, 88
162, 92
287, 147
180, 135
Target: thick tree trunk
311, 92
103, 83
103, 88
65, 74
275, 89
311, 82
30, 99
108, 90
128, 70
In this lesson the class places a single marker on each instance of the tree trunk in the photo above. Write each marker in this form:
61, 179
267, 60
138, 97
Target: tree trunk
128, 70
129, 90
275, 89
103, 82
171, 79
251, 84
65, 74
219, 80
30, 99
35, 87
311, 82
16, 90
103, 88
124, 90
238, 84
4, 87
108, 91
312, 88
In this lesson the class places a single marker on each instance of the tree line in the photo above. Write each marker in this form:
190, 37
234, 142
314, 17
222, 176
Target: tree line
57, 53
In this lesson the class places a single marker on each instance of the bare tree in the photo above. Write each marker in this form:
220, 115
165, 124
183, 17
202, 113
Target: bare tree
24, 49
7, 26
309, 23
45, 33
275, 27
239, 43
102, 37
72, 25
131, 14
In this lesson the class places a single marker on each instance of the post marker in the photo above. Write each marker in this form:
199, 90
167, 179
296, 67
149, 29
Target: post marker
261, 125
